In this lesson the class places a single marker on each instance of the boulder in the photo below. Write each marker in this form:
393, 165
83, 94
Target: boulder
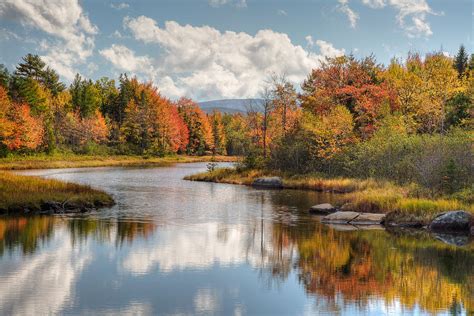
268, 182
368, 219
340, 217
322, 209
455, 221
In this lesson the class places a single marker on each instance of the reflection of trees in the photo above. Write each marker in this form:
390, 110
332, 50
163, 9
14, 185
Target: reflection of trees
361, 265
27, 233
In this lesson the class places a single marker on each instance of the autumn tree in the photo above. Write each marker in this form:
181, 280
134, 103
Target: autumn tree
218, 132
200, 132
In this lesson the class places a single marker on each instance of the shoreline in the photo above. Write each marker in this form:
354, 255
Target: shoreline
86, 161
399, 204
30, 195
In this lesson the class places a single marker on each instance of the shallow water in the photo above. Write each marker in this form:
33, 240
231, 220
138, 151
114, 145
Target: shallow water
171, 246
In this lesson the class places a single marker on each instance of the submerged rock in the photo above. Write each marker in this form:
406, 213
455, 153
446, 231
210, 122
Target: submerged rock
268, 182
368, 219
455, 221
340, 217
354, 218
322, 209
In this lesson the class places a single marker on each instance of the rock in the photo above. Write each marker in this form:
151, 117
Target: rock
322, 209
455, 221
340, 217
268, 182
472, 230
354, 218
368, 219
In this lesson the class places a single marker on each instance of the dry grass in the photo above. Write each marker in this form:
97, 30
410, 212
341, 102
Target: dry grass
19, 192
360, 195
81, 161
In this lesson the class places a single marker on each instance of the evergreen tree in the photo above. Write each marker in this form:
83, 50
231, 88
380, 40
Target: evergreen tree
50, 79
31, 67
460, 61
4, 76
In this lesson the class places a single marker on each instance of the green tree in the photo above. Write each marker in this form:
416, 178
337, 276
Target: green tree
4, 76
460, 61
85, 96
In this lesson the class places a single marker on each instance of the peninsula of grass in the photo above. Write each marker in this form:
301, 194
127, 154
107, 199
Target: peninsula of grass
402, 204
32, 195
82, 161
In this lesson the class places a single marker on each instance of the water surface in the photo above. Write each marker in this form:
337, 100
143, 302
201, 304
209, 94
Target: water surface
177, 247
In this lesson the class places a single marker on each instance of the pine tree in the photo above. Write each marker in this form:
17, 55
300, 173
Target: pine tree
460, 61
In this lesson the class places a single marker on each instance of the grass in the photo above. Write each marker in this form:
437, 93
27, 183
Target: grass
81, 161
402, 204
19, 192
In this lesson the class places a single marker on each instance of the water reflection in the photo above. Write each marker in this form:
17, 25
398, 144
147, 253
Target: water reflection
252, 252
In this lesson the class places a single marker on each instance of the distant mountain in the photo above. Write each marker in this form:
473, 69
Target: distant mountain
228, 105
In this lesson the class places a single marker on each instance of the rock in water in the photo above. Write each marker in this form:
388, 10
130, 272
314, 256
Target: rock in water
268, 182
322, 209
340, 217
368, 219
455, 221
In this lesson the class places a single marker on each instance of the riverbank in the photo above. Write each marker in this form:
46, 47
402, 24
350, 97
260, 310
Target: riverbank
33, 195
407, 205
84, 161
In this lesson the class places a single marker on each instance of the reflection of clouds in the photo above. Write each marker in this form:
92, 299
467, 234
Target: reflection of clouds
134, 308
206, 301
200, 246
42, 283
194, 247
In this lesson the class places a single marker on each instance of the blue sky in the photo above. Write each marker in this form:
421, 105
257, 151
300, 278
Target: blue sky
210, 49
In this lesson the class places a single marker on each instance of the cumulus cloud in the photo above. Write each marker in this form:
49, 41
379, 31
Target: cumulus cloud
65, 21
125, 59
205, 63
352, 16
236, 3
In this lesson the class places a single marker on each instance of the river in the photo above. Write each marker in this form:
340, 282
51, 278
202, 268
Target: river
177, 247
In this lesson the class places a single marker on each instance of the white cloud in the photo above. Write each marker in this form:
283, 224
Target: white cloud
65, 21
236, 3
119, 6
282, 12
125, 59
207, 64
411, 14
352, 16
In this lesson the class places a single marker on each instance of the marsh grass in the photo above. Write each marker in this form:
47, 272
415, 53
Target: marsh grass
81, 161
19, 192
405, 203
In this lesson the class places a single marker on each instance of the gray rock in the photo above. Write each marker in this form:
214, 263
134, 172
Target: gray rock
322, 209
340, 217
354, 218
268, 182
455, 221
368, 219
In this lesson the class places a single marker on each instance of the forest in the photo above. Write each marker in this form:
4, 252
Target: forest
409, 122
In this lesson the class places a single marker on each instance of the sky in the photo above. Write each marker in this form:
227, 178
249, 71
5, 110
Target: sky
214, 49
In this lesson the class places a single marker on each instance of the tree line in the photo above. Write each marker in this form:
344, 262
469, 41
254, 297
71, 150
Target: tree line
345, 103
38, 113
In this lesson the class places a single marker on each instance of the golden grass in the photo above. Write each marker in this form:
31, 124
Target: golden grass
81, 161
18, 192
360, 195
